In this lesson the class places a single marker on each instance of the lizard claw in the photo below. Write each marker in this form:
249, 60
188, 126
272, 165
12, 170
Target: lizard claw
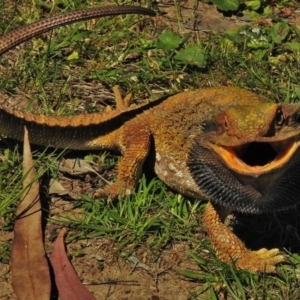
263, 260
121, 103
103, 194
231, 249
110, 193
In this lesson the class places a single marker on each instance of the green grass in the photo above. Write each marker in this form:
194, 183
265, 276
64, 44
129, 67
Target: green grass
56, 69
132, 222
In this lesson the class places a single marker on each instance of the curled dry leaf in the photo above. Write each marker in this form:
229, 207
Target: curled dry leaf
29, 265
75, 167
56, 188
67, 281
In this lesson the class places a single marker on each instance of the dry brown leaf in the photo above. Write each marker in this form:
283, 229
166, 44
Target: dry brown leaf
75, 167
67, 281
286, 12
55, 187
29, 265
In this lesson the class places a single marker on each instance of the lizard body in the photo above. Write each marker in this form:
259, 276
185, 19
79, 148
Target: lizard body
202, 143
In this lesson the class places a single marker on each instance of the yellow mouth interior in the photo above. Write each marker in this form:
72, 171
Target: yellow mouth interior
258, 157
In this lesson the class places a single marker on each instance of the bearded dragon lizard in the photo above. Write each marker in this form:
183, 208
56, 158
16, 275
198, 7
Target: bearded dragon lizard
225, 144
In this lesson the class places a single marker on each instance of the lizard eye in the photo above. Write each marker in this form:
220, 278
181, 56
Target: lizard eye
279, 118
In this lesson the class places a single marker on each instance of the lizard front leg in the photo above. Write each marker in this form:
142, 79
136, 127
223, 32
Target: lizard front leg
231, 249
134, 143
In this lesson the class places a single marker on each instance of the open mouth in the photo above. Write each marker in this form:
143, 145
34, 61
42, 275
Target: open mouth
258, 157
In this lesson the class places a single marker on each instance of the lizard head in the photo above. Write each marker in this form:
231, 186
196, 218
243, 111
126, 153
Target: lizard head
251, 157
257, 139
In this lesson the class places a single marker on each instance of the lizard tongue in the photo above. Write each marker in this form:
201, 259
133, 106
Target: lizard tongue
257, 157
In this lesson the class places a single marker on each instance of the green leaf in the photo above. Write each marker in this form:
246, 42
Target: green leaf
168, 40
294, 46
254, 5
252, 14
267, 11
297, 94
227, 4
258, 45
279, 32
192, 55
73, 55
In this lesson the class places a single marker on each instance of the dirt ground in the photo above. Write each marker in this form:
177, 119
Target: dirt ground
109, 276
139, 277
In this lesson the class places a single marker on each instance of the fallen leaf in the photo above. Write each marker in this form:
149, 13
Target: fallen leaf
29, 265
67, 281
56, 188
75, 167
286, 12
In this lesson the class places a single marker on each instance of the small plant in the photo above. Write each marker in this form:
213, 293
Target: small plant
171, 43
254, 8
227, 5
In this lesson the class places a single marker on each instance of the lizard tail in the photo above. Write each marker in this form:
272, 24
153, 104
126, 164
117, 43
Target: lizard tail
25, 33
